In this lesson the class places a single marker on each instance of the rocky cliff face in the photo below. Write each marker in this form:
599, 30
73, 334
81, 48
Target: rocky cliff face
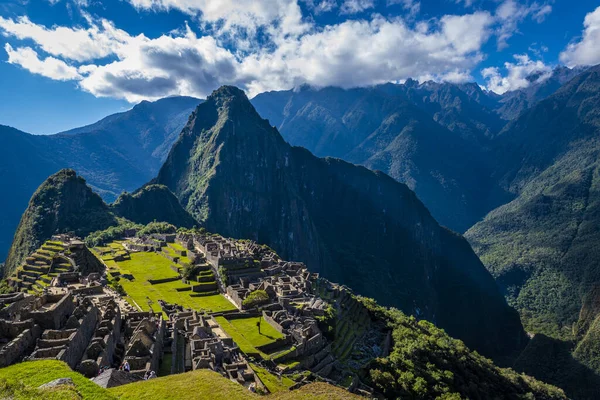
63, 203
237, 175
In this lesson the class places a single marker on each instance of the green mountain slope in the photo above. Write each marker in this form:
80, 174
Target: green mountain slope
542, 247
120, 152
63, 203
236, 175
152, 203
432, 137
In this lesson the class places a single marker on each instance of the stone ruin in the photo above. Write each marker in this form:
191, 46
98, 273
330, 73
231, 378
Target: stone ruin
206, 346
145, 346
78, 319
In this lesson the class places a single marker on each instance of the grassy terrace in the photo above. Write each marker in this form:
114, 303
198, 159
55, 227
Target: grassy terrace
245, 333
273, 383
145, 266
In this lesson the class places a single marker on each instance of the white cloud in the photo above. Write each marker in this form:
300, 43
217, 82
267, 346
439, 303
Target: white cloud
359, 53
164, 66
231, 15
110, 62
518, 75
49, 67
585, 51
100, 40
320, 6
510, 13
356, 6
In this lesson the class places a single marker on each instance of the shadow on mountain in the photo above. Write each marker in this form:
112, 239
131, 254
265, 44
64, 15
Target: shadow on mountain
550, 360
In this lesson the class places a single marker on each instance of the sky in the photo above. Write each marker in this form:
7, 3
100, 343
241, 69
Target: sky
67, 63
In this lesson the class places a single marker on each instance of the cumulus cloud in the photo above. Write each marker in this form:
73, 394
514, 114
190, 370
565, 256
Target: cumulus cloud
510, 13
359, 53
107, 61
585, 51
78, 44
231, 15
164, 66
49, 67
320, 6
518, 75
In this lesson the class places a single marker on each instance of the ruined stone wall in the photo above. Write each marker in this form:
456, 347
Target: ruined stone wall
53, 317
80, 340
11, 329
19, 346
272, 322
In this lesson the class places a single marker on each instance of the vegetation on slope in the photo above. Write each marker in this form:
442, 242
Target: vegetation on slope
426, 363
237, 176
542, 247
20, 381
63, 203
152, 203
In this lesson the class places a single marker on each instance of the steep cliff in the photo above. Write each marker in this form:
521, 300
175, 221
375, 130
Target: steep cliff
236, 175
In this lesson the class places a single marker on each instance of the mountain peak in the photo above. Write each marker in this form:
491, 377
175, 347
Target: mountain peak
226, 94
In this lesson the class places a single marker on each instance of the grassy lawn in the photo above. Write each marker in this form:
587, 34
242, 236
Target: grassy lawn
273, 383
148, 265
245, 333
20, 381
140, 291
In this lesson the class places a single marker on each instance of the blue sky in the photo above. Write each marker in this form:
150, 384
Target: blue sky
66, 63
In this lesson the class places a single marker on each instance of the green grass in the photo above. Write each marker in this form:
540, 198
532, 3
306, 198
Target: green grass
20, 381
273, 383
245, 333
149, 265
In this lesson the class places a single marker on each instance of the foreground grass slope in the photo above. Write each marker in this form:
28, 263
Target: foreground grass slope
20, 381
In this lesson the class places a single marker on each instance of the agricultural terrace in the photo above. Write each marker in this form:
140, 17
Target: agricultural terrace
135, 272
245, 334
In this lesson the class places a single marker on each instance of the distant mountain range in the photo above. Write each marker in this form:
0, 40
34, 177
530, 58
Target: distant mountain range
434, 137
118, 153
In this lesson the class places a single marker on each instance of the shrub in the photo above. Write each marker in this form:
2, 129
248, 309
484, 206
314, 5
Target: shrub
256, 298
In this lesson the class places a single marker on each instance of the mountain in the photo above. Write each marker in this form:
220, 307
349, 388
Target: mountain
62, 203
432, 137
119, 153
236, 175
541, 247
24, 164
542, 85
152, 203
65, 203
